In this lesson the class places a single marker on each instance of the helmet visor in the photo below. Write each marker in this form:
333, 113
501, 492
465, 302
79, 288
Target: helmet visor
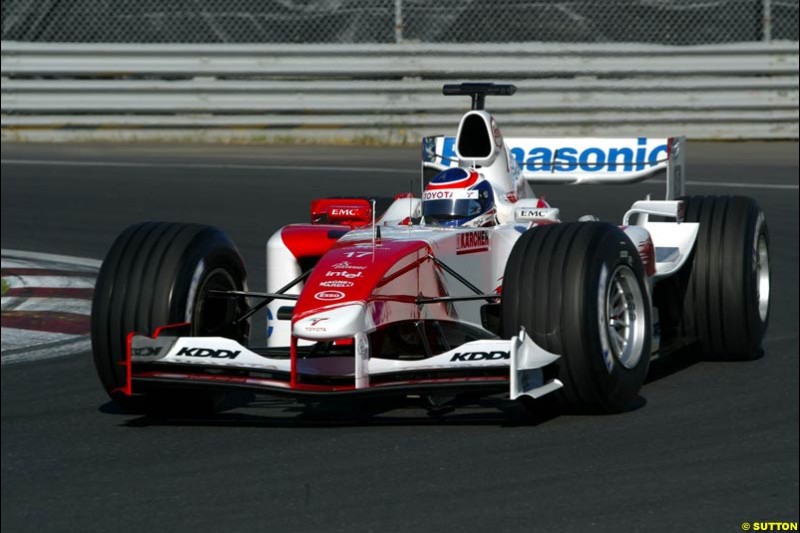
437, 211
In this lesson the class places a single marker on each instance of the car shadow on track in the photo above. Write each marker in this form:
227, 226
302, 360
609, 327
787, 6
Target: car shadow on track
664, 367
671, 364
270, 412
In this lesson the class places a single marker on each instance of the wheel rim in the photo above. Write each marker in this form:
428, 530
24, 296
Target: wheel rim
624, 317
762, 277
212, 313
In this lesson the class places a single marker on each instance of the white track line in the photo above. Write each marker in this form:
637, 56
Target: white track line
78, 344
235, 166
8, 262
38, 256
50, 282
777, 186
223, 166
78, 306
14, 338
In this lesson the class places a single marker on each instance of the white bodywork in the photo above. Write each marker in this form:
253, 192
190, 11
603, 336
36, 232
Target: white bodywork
512, 166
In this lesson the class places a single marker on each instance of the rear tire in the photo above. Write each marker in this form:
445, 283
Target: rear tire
572, 286
726, 285
156, 274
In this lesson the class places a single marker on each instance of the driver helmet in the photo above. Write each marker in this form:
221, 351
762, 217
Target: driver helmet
458, 197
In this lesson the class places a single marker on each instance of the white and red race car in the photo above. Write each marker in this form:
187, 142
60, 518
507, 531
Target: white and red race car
476, 287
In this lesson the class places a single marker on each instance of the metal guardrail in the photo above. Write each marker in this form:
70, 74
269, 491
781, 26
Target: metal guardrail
391, 93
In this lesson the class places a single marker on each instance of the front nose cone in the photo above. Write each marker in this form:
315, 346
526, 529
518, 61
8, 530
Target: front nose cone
338, 323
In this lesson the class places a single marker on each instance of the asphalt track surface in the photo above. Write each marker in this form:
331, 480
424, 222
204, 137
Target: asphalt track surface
709, 446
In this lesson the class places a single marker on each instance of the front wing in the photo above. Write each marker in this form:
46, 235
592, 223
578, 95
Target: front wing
168, 359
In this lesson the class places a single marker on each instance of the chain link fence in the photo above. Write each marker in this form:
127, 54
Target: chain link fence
672, 22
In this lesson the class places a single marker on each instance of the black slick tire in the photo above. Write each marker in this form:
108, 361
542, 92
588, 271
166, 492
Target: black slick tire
158, 273
556, 283
724, 296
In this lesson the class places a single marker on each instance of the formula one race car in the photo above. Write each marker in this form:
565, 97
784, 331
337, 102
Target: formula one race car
476, 287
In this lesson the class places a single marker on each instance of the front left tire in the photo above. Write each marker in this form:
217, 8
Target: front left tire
159, 273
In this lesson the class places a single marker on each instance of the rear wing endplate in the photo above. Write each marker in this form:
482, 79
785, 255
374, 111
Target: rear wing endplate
578, 161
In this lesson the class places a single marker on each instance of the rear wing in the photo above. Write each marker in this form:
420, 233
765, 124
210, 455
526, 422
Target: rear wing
581, 160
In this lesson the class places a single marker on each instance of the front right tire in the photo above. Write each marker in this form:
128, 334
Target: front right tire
579, 291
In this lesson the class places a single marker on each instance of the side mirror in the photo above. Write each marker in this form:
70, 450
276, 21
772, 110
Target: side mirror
527, 211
